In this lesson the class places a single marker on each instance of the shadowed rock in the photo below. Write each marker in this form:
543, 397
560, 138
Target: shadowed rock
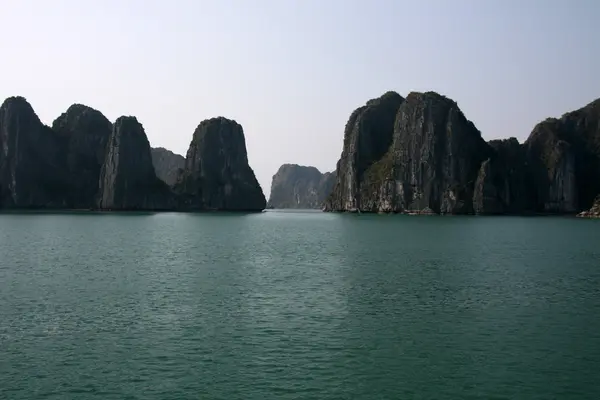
216, 175
431, 161
565, 158
32, 173
85, 132
436, 156
437, 161
367, 137
127, 179
504, 183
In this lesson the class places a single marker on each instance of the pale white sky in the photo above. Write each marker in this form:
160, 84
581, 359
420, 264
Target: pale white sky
292, 71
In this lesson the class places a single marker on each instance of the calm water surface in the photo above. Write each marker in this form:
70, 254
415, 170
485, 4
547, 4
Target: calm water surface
298, 305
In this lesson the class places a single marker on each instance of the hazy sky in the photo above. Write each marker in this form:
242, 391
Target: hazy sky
292, 71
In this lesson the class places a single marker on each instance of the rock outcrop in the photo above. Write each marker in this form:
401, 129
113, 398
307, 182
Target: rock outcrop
296, 186
127, 178
367, 137
85, 133
216, 175
565, 159
418, 155
85, 162
32, 173
167, 164
593, 212
504, 183
436, 161
431, 161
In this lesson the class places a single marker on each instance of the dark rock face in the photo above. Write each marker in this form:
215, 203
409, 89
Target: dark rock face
85, 162
367, 137
438, 162
127, 178
431, 162
32, 174
593, 212
85, 132
565, 159
437, 154
167, 165
504, 183
216, 175
296, 186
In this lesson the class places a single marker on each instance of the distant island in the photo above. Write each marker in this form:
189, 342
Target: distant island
414, 155
86, 162
300, 187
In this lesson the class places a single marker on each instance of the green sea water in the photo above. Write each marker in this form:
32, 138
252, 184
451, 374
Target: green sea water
298, 305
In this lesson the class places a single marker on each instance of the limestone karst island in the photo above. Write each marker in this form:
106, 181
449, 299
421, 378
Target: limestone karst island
416, 155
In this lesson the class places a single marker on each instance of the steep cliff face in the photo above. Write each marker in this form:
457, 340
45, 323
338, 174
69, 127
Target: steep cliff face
565, 158
32, 174
167, 164
504, 183
437, 155
127, 178
216, 175
296, 186
430, 164
85, 132
367, 137
326, 186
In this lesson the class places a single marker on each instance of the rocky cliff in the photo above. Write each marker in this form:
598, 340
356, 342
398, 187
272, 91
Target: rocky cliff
504, 182
216, 174
430, 158
85, 133
367, 138
127, 178
431, 161
565, 159
296, 186
32, 171
167, 164
85, 162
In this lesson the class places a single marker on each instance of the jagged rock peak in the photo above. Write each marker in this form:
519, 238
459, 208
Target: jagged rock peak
80, 119
389, 96
17, 104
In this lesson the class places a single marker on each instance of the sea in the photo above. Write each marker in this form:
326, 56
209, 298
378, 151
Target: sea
298, 305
